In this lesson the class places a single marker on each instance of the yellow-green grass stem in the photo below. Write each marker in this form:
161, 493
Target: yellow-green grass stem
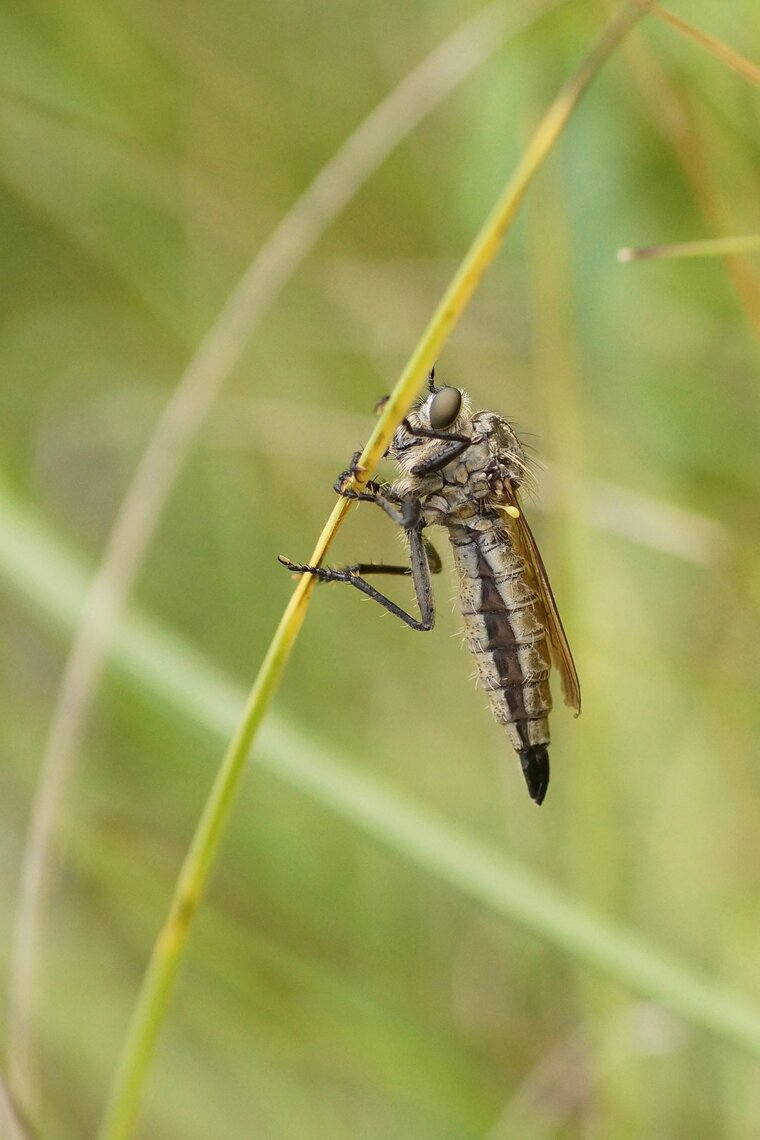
123, 1103
708, 247
738, 63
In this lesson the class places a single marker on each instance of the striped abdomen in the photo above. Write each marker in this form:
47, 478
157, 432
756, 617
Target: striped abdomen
508, 641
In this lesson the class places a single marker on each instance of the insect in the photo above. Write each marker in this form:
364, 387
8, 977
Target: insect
463, 470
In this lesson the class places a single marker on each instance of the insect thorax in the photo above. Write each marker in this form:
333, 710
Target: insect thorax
468, 487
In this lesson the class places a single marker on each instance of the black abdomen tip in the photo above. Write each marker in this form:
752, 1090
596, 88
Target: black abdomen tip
535, 766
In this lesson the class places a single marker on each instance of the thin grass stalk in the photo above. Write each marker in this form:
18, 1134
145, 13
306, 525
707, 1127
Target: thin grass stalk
671, 115
10, 1124
123, 1104
738, 63
708, 247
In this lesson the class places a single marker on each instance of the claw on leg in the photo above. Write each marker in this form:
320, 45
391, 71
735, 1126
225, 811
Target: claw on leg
341, 484
321, 573
291, 566
355, 468
297, 568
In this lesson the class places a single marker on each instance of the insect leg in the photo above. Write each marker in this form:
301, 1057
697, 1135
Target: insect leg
444, 457
458, 444
430, 433
419, 570
363, 568
433, 557
371, 488
405, 512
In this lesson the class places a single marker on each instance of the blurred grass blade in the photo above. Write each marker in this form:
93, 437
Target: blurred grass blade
416, 96
123, 1102
710, 247
44, 573
10, 1125
738, 63
671, 115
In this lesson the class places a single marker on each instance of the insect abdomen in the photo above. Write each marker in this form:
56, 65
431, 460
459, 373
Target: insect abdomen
508, 641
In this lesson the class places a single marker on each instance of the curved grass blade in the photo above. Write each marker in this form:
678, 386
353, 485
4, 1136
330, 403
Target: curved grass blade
738, 63
710, 247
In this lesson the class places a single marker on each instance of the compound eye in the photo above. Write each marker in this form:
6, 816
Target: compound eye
444, 408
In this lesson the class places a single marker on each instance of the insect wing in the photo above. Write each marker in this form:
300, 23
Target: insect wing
560, 650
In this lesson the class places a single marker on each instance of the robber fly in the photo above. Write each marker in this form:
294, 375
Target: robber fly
463, 470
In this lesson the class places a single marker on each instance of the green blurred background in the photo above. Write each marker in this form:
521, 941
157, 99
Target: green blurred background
332, 989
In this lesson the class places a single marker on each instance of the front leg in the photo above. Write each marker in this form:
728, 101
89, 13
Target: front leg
445, 456
371, 487
405, 510
431, 433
